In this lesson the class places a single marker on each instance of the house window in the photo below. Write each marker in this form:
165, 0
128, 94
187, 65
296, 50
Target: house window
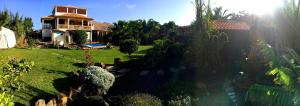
61, 21
85, 23
81, 11
62, 9
71, 10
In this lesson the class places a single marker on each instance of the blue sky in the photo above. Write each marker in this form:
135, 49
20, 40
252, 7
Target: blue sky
180, 11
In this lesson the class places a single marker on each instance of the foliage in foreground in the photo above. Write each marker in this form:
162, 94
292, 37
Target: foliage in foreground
6, 99
9, 79
141, 99
268, 95
284, 68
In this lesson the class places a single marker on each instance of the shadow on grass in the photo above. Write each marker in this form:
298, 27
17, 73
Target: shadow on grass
142, 51
62, 84
34, 92
58, 72
80, 65
134, 56
19, 104
134, 80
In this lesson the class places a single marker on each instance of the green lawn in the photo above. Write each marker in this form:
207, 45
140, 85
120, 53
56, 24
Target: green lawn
51, 64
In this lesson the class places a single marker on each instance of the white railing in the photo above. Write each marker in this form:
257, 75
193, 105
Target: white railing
74, 27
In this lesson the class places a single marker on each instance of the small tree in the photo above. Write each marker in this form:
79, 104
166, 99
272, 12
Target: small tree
129, 46
30, 42
79, 36
89, 58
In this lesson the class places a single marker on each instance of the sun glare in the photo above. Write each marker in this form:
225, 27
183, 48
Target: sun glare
258, 7
262, 7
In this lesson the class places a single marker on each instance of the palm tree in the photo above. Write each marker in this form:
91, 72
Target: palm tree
219, 14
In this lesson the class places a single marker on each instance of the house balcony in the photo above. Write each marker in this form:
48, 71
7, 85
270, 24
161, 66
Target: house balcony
47, 26
74, 27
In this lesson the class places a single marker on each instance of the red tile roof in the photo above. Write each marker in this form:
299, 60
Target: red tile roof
74, 16
230, 25
104, 26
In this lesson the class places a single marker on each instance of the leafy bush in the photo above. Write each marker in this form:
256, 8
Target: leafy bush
181, 101
284, 68
175, 53
172, 89
98, 81
6, 99
79, 36
141, 99
30, 42
165, 52
9, 78
129, 46
272, 96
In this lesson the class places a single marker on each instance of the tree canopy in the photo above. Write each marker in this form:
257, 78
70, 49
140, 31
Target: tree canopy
145, 32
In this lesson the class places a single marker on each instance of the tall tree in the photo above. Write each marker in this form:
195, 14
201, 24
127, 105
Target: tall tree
145, 32
28, 24
205, 50
169, 30
118, 30
151, 31
4, 17
17, 25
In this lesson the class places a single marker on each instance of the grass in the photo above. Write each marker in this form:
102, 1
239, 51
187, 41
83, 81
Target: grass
51, 66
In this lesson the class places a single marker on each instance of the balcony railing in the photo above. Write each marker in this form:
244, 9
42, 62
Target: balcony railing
74, 27
47, 26
62, 26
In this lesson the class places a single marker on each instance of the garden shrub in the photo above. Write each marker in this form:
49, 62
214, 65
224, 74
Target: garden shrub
164, 52
9, 79
154, 56
283, 67
6, 99
98, 81
181, 101
129, 46
141, 99
30, 42
174, 53
79, 36
263, 95
172, 89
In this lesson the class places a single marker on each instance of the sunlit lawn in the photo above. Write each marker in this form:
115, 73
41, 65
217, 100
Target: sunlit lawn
52, 64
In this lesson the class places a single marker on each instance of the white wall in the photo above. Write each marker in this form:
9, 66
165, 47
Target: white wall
89, 35
46, 33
